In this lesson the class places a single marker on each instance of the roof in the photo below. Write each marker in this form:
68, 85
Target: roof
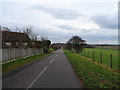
14, 37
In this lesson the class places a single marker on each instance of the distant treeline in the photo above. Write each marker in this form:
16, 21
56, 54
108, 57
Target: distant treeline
106, 46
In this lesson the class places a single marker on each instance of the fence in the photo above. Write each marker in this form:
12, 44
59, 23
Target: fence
15, 53
92, 56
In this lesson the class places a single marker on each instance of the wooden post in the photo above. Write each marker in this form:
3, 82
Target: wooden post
101, 57
111, 61
88, 54
93, 56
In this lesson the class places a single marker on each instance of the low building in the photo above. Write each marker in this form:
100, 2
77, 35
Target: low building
15, 39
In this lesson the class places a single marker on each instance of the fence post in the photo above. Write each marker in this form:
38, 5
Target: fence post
93, 56
88, 54
111, 61
101, 57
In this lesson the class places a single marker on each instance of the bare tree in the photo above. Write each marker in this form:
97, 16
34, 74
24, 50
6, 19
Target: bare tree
31, 34
28, 30
43, 38
19, 30
5, 29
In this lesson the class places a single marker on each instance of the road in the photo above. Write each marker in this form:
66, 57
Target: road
53, 71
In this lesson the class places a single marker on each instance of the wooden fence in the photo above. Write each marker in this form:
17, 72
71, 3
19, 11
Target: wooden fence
87, 54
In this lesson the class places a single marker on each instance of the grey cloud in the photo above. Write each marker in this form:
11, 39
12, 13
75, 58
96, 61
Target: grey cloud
68, 27
50, 34
101, 37
106, 21
58, 13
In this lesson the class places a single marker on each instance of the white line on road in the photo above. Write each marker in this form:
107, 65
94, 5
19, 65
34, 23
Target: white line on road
56, 55
52, 60
36, 78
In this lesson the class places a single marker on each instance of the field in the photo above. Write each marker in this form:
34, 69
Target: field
92, 75
106, 59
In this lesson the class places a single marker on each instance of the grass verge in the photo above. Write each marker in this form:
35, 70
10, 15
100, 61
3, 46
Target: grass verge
21, 62
92, 75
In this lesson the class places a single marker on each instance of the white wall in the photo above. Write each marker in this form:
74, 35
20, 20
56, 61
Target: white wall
15, 53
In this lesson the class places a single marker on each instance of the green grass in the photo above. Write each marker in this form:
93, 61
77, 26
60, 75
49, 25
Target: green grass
20, 62
93, 75
88, 52
51, 49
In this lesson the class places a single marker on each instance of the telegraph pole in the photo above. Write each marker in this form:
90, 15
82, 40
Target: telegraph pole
72, 40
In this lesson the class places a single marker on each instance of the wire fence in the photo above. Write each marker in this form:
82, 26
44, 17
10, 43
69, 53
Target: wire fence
98, 57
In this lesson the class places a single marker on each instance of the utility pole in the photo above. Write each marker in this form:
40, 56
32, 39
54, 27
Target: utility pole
72, 40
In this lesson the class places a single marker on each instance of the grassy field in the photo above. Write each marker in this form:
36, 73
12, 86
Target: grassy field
93, 75
88, 52
20, 62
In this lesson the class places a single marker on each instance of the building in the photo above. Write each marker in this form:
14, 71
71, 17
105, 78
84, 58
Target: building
15, 39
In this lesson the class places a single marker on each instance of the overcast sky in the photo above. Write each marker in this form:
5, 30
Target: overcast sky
95, 21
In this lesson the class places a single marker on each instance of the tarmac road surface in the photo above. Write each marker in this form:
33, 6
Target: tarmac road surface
54, 71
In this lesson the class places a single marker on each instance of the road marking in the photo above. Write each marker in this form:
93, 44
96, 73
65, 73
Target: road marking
52, 60
36, 78
56, 55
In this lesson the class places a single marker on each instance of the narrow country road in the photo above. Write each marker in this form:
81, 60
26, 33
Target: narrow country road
53, 71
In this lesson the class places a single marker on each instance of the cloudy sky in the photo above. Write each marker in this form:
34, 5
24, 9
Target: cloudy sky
95, 21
